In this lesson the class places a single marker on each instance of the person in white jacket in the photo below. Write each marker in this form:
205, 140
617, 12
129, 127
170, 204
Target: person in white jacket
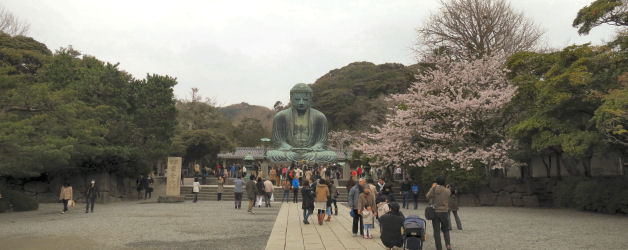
196, 187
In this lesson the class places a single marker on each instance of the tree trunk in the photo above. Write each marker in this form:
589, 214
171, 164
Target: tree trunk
558, 167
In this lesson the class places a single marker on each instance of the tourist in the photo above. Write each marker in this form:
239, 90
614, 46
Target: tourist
415, 195
333, 190
391, 225
380, 185
237, 189
204, 175
251, 192
369, 221
307, 201
295, 189
244, 171
373, 188
233, 171
382, 205
65, 195
284, 172
299, 174
360, 171
273, 176
322, 192
352, 202
453, 207
91, 195
269, 189
386, 194
365, 200
220, 188
286, 190
196, 187
308, 174
260, 191
405, 193
149, 187
139, 186
439, 198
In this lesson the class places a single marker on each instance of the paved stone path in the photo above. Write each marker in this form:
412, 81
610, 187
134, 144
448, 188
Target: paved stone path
290, 233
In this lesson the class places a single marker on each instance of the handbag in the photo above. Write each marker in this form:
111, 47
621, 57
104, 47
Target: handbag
352, 213
71, 203
272, 197
430, 213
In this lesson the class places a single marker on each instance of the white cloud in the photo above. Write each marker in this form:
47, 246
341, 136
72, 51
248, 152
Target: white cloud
254, 51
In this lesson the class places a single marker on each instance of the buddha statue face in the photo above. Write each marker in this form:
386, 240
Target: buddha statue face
300, 101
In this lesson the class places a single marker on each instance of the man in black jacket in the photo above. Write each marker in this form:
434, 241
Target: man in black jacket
405, 192
307, 197
92, 194
390, 225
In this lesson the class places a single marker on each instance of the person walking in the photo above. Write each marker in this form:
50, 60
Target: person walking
269, 189
391, 225
220, 188
251, 192
439, 198
92, 194
260, 191
286, 190
149, 185
453, 207
65, 196
415, 195
405, 193
233, 171
307, 197
196, 188
295, 189
333, 190
352, 200
320, 203
237, 189
139, 183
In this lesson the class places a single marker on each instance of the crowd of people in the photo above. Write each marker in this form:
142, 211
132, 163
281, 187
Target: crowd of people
371, 203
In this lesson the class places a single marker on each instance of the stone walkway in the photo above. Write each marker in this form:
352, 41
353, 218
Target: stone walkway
289, 232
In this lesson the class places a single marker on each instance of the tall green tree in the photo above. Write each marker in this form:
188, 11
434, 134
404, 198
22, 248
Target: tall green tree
612, 12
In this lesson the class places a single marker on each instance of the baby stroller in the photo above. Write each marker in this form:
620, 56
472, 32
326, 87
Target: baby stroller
414, 232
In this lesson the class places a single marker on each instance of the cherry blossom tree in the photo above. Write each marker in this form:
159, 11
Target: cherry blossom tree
452, 112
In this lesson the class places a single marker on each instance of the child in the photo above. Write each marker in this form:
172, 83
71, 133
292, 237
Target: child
382, 208
369, 222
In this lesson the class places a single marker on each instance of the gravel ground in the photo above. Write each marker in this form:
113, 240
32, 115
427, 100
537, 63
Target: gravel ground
139, 225
532, 228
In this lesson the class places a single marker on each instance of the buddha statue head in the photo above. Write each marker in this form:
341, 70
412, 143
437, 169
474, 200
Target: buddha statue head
301, 97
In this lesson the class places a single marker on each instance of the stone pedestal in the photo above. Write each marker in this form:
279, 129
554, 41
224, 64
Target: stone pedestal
173, 184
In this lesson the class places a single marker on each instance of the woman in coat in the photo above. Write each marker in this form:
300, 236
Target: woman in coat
65, 196
307, 201
322, 194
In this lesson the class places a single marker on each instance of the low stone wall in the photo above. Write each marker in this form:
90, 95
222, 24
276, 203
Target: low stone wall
507, 192
112, 188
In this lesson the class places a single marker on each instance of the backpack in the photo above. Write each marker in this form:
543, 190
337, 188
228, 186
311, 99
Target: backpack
415, 189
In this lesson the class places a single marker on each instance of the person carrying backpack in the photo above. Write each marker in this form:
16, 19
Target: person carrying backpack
415, 195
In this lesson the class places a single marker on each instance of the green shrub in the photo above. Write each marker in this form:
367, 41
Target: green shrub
20, 201
563, 194
4, 205
601, 194
466, 181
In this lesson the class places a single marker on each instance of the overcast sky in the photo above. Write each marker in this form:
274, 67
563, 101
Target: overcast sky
241, 51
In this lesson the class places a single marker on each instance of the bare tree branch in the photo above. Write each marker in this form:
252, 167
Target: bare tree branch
473, 28
12, 25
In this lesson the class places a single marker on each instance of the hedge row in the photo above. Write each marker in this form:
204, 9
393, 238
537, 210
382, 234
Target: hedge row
19, 200
600, 194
